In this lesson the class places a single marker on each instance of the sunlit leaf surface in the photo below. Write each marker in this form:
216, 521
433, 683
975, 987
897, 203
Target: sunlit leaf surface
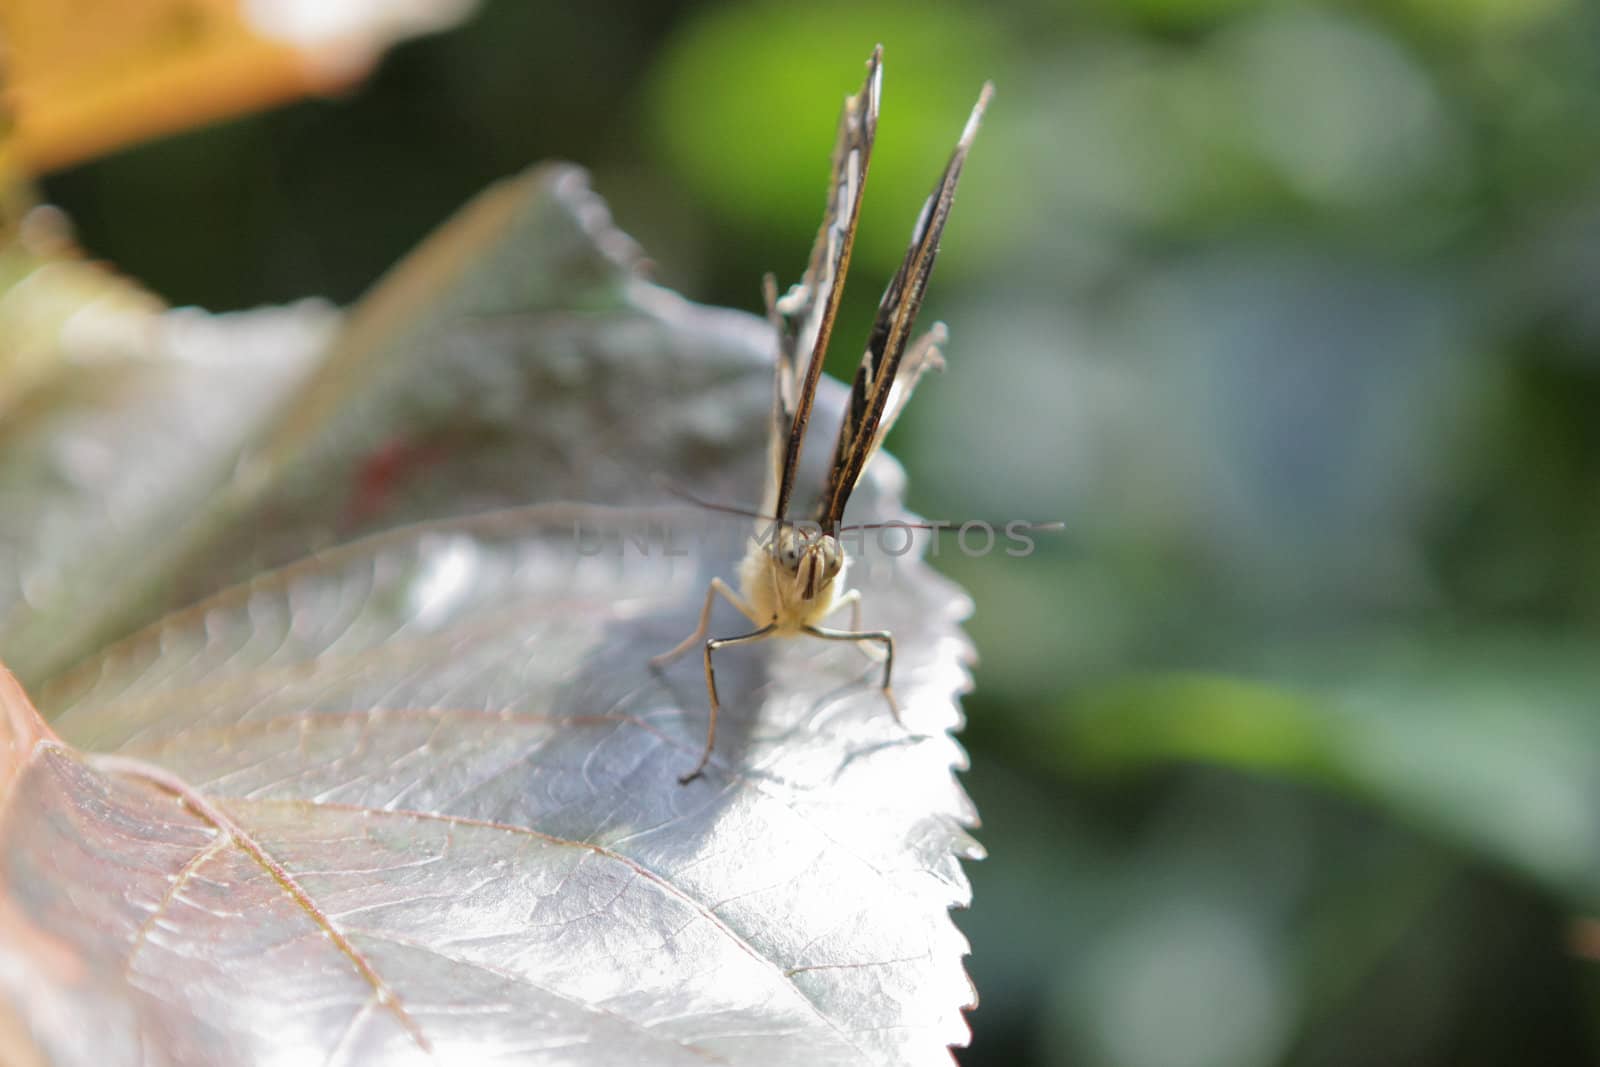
418, 795
107, 465
516, 356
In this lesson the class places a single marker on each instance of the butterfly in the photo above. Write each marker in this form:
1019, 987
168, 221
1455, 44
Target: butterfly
792, 576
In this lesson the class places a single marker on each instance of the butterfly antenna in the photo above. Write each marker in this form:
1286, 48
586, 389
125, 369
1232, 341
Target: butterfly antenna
710, 505
945, 527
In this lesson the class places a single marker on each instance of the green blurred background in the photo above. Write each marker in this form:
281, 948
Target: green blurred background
1288, 749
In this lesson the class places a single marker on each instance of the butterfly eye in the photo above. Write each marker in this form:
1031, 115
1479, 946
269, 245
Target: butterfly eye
832, 559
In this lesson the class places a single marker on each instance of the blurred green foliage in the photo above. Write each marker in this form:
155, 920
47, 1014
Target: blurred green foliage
1289, 749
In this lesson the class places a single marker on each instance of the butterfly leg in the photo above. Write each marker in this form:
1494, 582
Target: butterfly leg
718, 587
882, 637
711, 690
853, 598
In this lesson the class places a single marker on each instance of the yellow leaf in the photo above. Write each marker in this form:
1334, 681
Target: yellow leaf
87, 77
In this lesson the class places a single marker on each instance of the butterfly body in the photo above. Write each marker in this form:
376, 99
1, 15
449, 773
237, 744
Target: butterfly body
792, 577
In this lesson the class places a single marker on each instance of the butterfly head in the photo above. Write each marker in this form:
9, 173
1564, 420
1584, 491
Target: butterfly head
809, 557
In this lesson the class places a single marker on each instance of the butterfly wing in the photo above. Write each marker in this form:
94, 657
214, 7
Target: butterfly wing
803, 317
891, 365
